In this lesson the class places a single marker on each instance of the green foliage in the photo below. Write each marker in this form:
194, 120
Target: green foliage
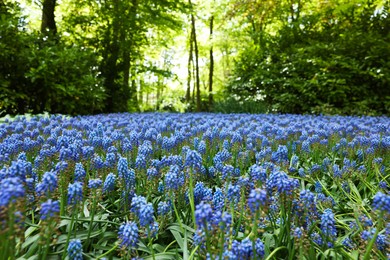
71, 84
231, 105
44, 74
317, 64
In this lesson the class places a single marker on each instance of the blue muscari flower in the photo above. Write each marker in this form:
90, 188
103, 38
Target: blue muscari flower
318, 187
294, 160
146, 212
281, 182
315, 168
110, 160
97, 162
259, 248
106, 142
226, 144
203, 214
153, 229
136, 204
347, 242
325, 163
229, 255
378, 160
146, 149
128, 235
10, 188
362, 169
112, 149
360, 155
227, 171
233, 193
155, 163
140, 162
298, 232
61, 166
126, 145
353, 225
368, 234
79, 172
94, 183
236, 138
328, 226
75, 193
196, 143
49, 209
381, 202
122, 167
382, 242
29, 184
212, 171
199, 237
301, 172
152, 173
75, 250
316, 238
160, 187
20, 168
218, 199
222, 157
109, 183
199, 192
308, 200
48, 183
236, 172
226, 221
383, 185
202, 147
246, 250
281, 154
65, 154
193, 159
305, 146
367, 222
163, 208
370, 150
171, 178
257, 197
337, 173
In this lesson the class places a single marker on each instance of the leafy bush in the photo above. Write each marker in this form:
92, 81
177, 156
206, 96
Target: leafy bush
314, 65
40, 74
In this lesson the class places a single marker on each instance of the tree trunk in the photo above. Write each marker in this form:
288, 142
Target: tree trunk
198, 105
48, 22
198, 108
190, 60
131, 50
211, 71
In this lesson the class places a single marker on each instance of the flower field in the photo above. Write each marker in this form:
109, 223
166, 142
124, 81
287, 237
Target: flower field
195, 186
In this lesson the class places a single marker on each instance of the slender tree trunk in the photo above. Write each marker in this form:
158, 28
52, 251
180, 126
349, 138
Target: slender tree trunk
190, 61
158, 94
198, 104
194, 82
211, 71
131, 50
110, 69
48, 22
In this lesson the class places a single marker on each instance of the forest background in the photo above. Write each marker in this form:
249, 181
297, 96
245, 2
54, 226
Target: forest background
281, 56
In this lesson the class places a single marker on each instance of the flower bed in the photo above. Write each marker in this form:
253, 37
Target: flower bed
195, 186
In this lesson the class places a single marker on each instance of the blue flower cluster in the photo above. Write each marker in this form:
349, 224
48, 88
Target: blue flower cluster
300, 173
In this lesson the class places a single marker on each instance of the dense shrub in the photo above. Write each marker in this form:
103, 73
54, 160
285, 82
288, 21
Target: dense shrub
40, 73
318, 65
